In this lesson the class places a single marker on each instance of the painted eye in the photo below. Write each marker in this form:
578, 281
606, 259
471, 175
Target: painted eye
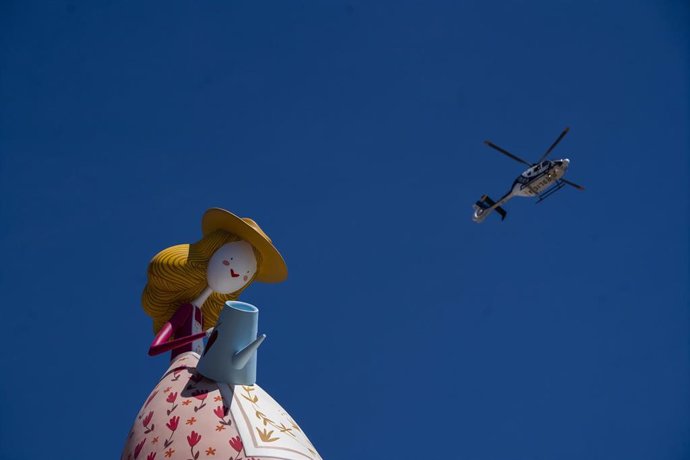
225, 262
232, 258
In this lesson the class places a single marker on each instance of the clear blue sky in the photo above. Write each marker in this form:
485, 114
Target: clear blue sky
352, 132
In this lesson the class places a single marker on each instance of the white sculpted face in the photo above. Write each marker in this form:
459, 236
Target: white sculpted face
231, 267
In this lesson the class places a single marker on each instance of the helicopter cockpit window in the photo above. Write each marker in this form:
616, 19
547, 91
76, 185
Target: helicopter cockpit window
545, 164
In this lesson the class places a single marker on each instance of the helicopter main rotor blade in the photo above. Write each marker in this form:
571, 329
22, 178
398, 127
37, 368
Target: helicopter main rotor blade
573, 184
565, 131
507, 153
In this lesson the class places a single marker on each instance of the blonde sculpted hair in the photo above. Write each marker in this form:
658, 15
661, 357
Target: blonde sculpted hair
177, 275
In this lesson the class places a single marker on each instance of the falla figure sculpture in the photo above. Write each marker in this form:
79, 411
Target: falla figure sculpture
207, 403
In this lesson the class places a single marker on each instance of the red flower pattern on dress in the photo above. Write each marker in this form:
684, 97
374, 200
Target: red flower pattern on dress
137, 449
151, 456
172, 424
236, 443
201, 396
222, 412
193, 439
172, 396
146, 422
219, 411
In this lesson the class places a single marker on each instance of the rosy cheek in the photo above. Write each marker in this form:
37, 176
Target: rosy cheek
246, 277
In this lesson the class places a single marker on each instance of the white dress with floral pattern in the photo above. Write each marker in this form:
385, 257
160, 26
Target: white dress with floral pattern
189, 417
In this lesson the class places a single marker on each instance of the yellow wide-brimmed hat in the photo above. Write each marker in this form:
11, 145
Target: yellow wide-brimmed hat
272, 268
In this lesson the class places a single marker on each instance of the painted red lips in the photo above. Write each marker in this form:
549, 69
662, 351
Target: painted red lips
233, 274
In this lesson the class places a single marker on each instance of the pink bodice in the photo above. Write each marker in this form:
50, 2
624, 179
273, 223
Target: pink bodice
186, 325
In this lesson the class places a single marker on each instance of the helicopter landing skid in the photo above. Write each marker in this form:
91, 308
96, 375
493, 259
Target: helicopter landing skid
551, 190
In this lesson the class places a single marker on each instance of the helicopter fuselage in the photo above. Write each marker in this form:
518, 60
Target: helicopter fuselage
539, 178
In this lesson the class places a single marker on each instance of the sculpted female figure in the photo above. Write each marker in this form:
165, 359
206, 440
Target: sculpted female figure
187, 415
189, 283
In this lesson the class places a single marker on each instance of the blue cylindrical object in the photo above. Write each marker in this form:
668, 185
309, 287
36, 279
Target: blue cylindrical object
230, 353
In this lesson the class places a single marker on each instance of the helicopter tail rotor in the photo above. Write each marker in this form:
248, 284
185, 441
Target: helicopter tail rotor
484, 207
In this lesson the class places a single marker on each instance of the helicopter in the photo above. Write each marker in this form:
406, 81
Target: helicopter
542, 179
